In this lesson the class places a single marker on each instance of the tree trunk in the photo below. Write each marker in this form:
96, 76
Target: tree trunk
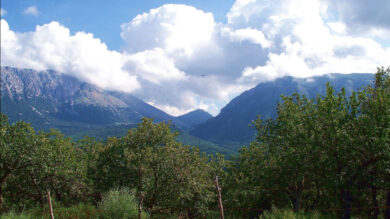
346, 200
219, 197
141, 198
375, 203
1, 198
50, 205
387, 212
296, 200
190, 214
317, 199
2, 181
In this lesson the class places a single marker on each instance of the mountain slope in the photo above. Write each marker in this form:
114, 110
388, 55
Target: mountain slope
48, 99
148, 110
195, 117
232, 126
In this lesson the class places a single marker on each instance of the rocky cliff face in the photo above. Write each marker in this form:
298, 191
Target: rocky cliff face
49, 99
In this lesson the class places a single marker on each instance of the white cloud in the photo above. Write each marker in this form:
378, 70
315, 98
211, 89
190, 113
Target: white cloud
154, 66
32, 10
337, 27
247, 34
3, 12
307, 45
51, 46
178, 29
187, 59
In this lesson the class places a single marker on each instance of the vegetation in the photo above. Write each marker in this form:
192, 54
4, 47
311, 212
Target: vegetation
328, 153
118, 203
183, 137
318, 158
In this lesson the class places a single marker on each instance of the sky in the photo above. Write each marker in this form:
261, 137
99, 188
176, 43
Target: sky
184, 55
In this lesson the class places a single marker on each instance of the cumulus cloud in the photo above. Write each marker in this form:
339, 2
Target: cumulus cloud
153, 66
51, 46
178, 29
178, 58
32, 10
305, 44
189, 59
249, 34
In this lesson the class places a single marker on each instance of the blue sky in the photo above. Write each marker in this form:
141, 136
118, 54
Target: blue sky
184, 55
100, 17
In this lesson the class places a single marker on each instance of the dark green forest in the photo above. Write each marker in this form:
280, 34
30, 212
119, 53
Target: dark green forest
325, 157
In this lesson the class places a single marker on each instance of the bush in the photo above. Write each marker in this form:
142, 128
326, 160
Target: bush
119, 203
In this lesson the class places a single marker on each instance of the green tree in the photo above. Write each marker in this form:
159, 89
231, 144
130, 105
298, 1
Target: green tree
18, 149
319, 153
163, 173
57, 166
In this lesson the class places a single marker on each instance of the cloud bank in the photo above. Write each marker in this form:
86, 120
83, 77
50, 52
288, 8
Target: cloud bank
178, 58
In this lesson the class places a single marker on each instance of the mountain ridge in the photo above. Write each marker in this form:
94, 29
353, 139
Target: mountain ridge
50, 95
49, 99
232, 126
195, 117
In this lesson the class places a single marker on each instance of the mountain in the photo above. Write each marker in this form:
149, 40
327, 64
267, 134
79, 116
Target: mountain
49, 99
232, 127
195, 117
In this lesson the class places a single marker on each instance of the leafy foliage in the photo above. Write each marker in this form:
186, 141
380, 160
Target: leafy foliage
331, 152
163, 173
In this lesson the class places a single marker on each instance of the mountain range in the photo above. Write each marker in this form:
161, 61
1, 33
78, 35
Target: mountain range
49, 99
46, 98
232, 127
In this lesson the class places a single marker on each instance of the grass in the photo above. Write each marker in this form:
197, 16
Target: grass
13, 215
120, 204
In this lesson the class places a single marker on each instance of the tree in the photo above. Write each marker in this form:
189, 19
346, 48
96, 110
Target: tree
33, 163
320, 152
163, 173
18, 149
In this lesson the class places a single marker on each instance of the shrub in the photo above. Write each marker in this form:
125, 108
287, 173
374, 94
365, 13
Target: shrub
118, 203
